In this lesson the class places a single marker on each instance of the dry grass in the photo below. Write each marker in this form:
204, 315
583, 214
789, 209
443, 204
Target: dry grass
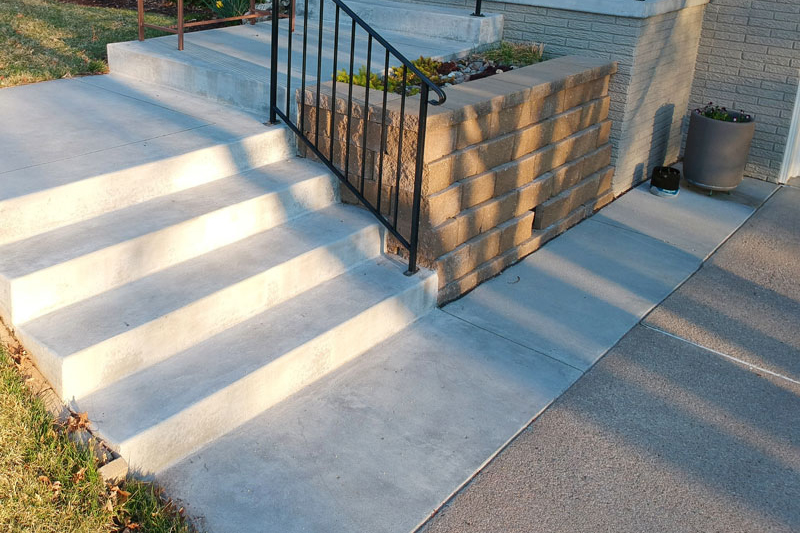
45, 39
48, 483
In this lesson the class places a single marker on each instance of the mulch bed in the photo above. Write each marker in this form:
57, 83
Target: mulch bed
164, 7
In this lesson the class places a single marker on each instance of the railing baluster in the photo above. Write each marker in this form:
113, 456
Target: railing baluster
421, 128
319, 69
365, 117
180, 24
273, 69
349, 102
289, 35
404, 164
303, 75
383, 130
404, 89
333, 88
140, 18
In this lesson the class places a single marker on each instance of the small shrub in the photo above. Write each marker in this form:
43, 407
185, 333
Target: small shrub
514, 54
228, 8
720, 113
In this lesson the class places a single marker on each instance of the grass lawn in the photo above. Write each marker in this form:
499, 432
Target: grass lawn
48, 483
45, 39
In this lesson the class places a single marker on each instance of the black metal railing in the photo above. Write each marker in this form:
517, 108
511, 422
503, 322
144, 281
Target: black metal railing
389, 215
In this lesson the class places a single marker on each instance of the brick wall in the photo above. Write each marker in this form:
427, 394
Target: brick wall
749, 58
649, 93
511, 161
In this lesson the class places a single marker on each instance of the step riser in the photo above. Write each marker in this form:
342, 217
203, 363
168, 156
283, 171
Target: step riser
219, 86
413, 19
104, 363
34, 213
60, 285
232, 406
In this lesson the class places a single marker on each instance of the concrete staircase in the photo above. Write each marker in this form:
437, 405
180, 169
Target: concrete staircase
231, 65
177, 295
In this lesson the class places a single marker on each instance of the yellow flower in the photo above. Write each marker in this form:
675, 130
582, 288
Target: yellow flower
219, 4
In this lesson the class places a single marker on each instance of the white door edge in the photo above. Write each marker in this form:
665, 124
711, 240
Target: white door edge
791, 157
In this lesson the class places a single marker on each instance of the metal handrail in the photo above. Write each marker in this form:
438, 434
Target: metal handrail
390, 221
400, 57
180, 27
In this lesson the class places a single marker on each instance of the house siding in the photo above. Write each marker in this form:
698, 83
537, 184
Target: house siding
650, 92
749, 58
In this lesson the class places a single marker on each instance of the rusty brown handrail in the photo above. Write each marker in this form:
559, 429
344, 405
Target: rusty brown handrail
179, 27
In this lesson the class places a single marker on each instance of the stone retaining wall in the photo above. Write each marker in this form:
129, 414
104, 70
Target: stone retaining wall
511, 161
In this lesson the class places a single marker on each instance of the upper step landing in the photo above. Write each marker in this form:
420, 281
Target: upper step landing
426, 20
231, 65
87, 146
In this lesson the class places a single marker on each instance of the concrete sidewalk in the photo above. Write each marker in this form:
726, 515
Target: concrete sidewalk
690, 423
380, 443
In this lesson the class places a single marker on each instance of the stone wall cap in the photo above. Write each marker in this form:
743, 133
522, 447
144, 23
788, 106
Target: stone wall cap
618, 8
473, 99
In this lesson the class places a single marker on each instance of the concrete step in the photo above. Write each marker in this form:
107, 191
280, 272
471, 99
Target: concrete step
40, 198
63, 266
230, 65
98, 341
440, 22
159, 415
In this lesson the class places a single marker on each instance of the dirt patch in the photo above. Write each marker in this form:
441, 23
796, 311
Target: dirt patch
164, 7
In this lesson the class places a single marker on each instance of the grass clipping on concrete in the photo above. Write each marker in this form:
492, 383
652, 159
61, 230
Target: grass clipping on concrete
46, 39
50, 483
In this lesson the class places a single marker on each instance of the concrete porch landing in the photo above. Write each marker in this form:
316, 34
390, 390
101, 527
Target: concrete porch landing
230, 65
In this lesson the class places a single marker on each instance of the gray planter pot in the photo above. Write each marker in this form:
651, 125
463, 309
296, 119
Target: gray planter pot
716, 152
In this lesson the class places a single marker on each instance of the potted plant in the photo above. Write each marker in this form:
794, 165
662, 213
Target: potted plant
716, 147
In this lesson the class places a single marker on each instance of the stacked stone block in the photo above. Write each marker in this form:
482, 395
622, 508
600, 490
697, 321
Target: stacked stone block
510, 162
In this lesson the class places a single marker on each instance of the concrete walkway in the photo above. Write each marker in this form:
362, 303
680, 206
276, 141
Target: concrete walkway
690, 423
381, 443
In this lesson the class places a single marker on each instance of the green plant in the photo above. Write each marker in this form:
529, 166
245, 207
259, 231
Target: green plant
514, 54
228, 8
721, 113
427, 66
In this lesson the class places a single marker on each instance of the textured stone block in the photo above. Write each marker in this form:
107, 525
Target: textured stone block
564, 203
594, 112
477, 189
533, 137
534, 193
477, 130
445, 204
603, 133
516, 230
567, 175
437, 241
483, 157
594, 161
488, 215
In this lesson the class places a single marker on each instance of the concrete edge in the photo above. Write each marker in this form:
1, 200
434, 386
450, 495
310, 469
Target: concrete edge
617, 8
112, 468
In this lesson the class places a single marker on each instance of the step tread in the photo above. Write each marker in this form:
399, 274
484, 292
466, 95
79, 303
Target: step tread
121, 309
72, 168
24, 257
158, 392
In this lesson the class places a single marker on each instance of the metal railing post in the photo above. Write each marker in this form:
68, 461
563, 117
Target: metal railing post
252, 11
140, 15
477, 12
421, 128
273, 69
180, 24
